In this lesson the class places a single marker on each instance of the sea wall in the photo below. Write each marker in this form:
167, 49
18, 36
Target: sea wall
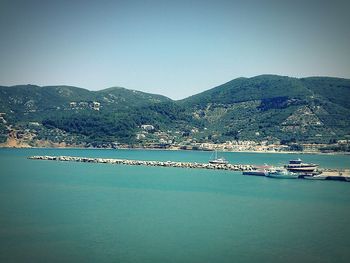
330, 174
230, 167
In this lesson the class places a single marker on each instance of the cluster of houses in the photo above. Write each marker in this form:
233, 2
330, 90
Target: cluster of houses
149, 137
94, 105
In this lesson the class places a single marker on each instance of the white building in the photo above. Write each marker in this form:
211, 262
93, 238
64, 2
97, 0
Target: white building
147, 127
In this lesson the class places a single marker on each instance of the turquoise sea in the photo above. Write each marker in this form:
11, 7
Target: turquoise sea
83, 212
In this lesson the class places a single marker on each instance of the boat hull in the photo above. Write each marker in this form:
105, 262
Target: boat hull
315, 177
297, 166
255, 173
306, 169
218, 162
283, 176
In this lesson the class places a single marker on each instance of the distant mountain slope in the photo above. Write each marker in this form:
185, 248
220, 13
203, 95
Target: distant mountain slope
112, 114
248, 89
30, 98
266, 107
270, 106
117, 98
30, 102
336, 90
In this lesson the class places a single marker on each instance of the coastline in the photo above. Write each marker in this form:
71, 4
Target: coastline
169, 149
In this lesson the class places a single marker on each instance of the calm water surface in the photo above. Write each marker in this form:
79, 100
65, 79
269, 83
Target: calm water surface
82, 212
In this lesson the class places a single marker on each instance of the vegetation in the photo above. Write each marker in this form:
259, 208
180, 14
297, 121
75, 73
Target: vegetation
272, 107
267, 107
3, 133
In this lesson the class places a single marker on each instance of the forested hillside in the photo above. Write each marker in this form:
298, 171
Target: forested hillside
266, 107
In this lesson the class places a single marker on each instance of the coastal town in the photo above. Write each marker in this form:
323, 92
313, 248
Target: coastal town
34, 134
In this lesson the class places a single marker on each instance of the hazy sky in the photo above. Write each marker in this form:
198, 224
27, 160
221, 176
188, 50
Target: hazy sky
174, 48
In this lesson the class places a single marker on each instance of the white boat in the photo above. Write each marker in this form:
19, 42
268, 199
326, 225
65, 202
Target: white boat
261, 172
315, 177
217, 160
282, 174
298, 166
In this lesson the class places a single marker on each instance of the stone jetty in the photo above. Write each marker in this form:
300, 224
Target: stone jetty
331, 174
230, 167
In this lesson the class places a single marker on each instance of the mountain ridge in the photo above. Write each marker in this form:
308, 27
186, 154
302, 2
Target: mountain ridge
264, 107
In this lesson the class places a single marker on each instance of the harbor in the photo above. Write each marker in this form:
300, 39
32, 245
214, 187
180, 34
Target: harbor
247, 169
86, 202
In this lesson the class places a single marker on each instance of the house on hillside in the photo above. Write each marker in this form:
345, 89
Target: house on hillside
147, 127
96, 105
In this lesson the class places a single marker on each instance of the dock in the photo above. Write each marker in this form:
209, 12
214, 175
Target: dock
331, 174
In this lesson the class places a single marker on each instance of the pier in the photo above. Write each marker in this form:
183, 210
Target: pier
331, 174
230, 167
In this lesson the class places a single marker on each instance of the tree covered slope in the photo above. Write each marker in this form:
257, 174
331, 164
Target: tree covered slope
266, 107
270, 106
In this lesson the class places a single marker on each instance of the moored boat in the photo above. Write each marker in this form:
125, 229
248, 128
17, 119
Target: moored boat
298, 166
282, 174
216, 160
262, 170
315, 177
258, 172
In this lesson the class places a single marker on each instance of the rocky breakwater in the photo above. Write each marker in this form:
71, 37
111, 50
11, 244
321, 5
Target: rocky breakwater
230, 167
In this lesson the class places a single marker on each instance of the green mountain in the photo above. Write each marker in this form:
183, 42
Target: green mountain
270, 107
76, 115
266, 107
29, 98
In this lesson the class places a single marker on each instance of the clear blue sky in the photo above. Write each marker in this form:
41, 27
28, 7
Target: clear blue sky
174, 48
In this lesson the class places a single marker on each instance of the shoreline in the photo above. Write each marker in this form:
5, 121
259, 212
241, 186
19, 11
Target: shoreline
172, 149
